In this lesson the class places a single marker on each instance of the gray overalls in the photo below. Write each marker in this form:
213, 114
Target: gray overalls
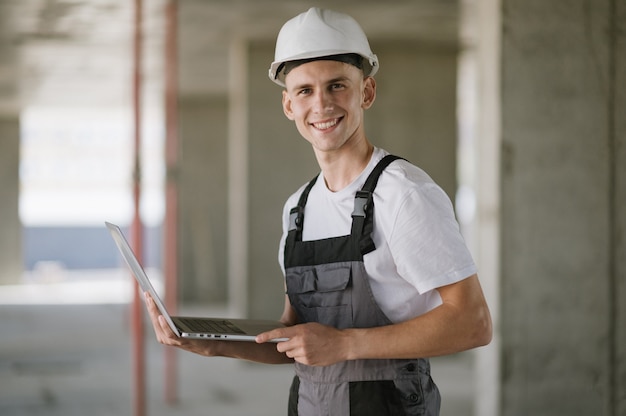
327, 283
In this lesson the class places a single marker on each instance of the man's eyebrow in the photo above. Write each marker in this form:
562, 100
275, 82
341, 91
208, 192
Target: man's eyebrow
338, 79
301, 86
306, 85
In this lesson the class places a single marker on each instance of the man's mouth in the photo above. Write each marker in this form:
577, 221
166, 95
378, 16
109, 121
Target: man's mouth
325, 125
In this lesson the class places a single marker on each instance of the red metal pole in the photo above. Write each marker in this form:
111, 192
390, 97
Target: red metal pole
171, 192
139, 405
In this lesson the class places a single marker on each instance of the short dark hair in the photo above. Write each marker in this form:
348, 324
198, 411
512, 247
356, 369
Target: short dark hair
353, 59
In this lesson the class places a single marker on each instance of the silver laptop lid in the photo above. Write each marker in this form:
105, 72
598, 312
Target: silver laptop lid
138, 271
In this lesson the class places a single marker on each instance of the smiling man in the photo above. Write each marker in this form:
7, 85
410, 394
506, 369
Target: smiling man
377, 275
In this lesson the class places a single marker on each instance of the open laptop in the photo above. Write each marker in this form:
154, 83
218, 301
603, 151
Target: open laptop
192, 327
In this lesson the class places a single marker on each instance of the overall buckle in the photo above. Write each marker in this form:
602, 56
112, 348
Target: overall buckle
362, 201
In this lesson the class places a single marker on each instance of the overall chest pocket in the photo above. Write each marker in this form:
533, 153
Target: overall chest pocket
322, 293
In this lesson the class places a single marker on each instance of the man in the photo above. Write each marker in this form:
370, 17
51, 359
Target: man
377, 274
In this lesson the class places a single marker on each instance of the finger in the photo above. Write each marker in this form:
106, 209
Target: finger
153, 312
263, 337
165, 326
286, 347
152, 309
273, 334
166, 329
162, 330
165, 335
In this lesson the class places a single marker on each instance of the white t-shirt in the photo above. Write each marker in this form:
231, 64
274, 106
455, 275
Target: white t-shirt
418, 243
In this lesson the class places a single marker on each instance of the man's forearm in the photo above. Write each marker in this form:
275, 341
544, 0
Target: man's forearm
250, 351
462, 322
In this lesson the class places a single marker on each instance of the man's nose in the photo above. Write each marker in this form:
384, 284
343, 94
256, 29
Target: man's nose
323, 101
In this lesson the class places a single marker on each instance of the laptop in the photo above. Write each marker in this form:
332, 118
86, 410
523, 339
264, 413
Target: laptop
192, 327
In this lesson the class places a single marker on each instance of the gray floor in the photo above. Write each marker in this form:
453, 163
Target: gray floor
71, 359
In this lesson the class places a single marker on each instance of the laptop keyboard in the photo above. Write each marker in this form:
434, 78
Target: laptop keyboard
213, 326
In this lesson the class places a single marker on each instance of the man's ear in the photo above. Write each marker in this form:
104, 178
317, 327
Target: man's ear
369, 92
287, 105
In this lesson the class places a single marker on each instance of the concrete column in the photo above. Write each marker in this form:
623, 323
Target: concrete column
203, 198
563, 296
480, 135
617, 148
11, 235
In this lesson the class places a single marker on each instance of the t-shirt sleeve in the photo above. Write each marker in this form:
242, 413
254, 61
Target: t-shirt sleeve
426, 242
281, 244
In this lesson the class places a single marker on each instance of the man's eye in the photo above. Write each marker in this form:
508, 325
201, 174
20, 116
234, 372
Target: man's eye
336, 86
304, 91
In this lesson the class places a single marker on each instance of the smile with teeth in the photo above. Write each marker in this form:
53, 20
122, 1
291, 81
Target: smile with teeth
326, 124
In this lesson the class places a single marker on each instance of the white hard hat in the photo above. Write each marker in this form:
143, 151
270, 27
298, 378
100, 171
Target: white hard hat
319, 33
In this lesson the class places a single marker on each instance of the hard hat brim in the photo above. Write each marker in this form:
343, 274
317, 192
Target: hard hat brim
370, 63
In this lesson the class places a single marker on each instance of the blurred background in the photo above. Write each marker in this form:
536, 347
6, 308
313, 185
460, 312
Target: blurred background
158, 115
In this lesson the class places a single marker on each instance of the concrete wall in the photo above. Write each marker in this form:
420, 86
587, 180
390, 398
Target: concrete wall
414, 115
563, 216
10, 237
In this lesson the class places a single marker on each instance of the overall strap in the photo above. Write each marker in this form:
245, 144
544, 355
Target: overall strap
296, 214
363, 214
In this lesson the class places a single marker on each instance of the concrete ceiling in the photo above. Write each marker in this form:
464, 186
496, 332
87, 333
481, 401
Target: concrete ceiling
78, 53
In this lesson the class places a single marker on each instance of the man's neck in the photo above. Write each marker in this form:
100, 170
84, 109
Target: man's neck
341, 168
